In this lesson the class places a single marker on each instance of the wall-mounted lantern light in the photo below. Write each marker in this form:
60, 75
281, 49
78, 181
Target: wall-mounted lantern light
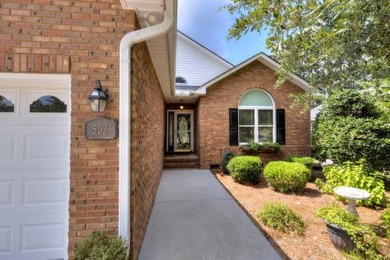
98, 98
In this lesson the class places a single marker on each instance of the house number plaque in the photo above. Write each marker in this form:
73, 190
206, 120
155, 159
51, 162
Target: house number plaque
101, 128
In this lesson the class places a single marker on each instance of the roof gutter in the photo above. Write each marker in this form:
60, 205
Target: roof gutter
125, 115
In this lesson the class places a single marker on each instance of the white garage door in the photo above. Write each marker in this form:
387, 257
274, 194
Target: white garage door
34, 160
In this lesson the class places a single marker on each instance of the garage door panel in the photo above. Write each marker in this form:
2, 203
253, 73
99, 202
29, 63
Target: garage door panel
45, 147
34, 210
42, 237
17, 174
7, 195
32, 237
38, 192
5, 240
7, 147
44, 192
36, 120
20, 165
37, 144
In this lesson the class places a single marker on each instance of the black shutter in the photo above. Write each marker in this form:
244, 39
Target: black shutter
280, 126
233, 126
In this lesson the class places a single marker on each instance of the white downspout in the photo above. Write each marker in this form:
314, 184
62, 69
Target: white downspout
125, 115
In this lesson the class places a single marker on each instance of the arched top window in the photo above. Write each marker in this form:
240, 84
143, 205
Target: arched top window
48, 104
256, 117
6, 105
256, 97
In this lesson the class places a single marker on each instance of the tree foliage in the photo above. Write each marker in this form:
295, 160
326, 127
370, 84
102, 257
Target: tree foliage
332, 44
349, 128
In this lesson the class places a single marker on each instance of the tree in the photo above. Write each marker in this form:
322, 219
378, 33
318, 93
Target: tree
332, 44
350, 127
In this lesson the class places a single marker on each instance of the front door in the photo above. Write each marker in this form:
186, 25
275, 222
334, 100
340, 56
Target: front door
180, 131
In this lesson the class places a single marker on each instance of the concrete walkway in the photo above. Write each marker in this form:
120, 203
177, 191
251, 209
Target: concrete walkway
195, 218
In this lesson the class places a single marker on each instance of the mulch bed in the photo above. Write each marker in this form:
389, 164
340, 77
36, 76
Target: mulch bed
315, 243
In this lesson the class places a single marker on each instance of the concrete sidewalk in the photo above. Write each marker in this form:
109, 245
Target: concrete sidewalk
195, 218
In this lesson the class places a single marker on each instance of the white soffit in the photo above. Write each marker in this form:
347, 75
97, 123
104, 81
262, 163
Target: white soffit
155, 5
163, 48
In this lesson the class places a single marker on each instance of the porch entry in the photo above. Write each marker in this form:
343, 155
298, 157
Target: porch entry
180, 131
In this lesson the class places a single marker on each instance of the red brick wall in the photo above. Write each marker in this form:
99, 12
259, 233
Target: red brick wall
147, 146
213, 114
82, 38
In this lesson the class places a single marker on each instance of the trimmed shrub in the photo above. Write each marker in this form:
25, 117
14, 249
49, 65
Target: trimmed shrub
355, 175
280, 217
98, 245
287, 177
245, 169
227, 156
305, 160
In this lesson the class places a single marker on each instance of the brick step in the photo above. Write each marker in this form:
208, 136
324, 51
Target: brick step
181, 165
178, 160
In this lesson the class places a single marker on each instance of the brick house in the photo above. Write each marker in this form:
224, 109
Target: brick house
56, 186
242, 105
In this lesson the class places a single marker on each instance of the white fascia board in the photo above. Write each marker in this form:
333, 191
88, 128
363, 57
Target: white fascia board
155, 5
264, 59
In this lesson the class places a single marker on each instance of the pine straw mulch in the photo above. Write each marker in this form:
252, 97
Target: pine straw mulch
315, 244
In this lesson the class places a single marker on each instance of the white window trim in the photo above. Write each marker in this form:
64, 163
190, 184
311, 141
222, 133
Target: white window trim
256, 125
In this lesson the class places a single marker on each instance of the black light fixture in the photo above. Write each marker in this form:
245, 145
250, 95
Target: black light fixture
98, 98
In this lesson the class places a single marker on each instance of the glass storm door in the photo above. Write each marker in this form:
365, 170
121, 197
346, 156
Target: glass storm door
180, 131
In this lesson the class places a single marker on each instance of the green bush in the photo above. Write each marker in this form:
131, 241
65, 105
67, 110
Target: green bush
355, 175
350, 127
280, 217
287, 177
245, 169
254, 148
362, 235
385, 217
98, 245
305, 160
227, 156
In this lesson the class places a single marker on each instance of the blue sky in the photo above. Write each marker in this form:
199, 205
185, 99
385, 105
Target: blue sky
200, 20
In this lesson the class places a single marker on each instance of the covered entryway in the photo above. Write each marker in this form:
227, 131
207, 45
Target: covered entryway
34, 172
